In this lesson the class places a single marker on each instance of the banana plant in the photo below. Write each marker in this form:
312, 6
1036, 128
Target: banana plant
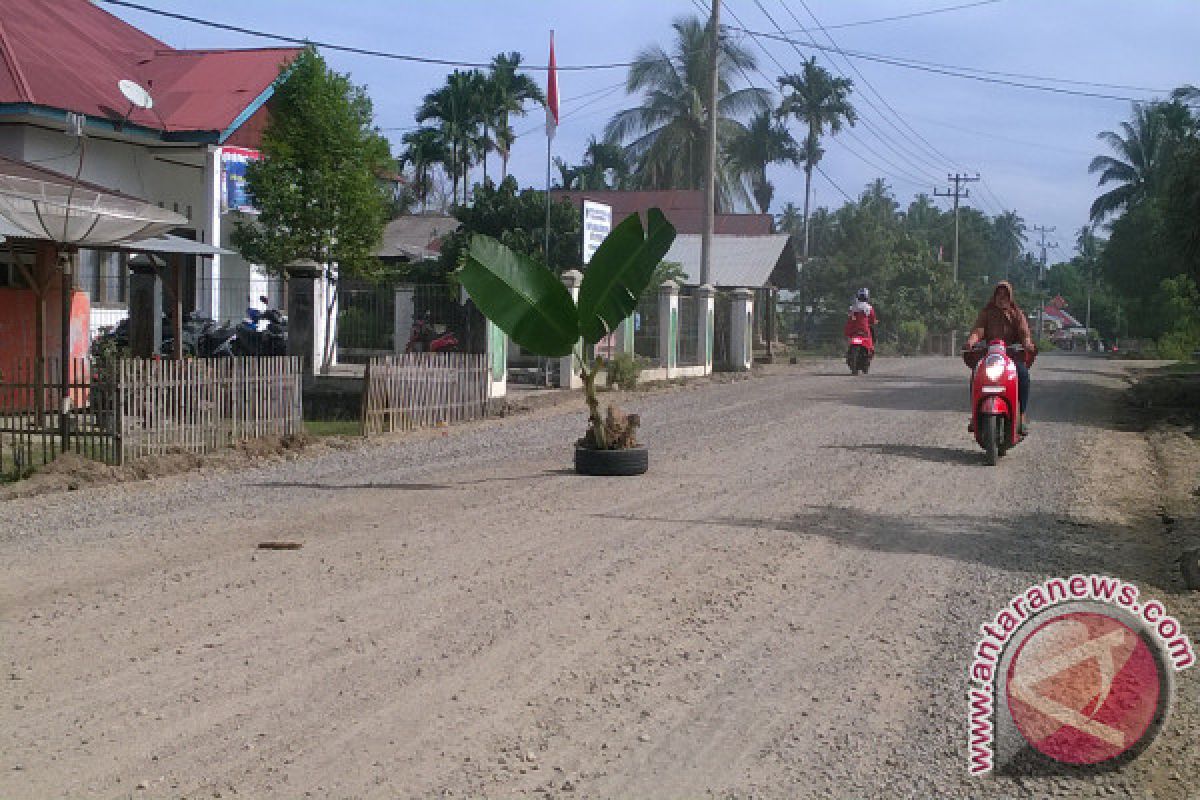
528, 302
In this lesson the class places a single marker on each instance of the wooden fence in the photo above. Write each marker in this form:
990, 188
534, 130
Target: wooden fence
127, 409
418, 390
201, 405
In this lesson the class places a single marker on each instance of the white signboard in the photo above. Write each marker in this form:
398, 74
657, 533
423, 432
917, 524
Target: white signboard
597, 222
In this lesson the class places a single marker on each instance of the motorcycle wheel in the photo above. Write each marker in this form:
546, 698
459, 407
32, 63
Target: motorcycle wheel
989, 439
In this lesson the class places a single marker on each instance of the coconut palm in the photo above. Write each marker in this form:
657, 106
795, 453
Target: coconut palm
789, 219
511, 91
821, 103
1142, 150
1009, 232
763, 142
666, 136
424, 149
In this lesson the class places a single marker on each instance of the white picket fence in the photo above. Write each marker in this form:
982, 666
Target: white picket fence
201, 405
420, 390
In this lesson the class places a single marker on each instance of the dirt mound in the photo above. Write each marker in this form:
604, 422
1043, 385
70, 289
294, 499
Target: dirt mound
71, 471
1172, 397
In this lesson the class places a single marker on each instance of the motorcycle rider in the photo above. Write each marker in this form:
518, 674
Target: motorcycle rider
1002, 319
861, 320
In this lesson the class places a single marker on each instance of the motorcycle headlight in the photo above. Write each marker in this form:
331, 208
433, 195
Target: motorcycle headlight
993, 368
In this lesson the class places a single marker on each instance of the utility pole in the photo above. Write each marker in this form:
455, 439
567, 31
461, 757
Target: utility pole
958, 192
1042, 230
710, 165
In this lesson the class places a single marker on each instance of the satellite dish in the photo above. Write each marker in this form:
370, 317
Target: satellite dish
135, 94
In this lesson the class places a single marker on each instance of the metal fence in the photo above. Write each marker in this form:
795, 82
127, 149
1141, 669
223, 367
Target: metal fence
645, 329
389, 318
35, 413
117, 410
420, 390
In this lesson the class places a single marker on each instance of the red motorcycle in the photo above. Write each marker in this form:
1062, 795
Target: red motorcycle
424, 338
995, 398
859, 355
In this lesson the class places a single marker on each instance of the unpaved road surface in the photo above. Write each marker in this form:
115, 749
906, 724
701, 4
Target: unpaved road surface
784, 607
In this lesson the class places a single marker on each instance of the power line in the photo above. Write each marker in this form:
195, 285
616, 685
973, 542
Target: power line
913, 15
940, 155
902, 153
960, 72
957, 194
362, 51
832, 183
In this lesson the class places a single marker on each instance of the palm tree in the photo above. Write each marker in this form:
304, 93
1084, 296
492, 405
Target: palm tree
763, 142
1009, 231
1141, 153
789, 219
820, 102
455, 108
424, 148
665, 136
511, 91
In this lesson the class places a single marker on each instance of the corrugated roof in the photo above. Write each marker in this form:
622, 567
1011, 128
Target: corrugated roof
739, 261
683, 207
415, 237
69, 54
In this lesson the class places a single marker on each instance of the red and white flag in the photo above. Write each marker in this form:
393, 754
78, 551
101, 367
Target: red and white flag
551, 94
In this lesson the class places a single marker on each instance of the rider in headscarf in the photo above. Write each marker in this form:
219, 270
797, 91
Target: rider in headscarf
1002, 319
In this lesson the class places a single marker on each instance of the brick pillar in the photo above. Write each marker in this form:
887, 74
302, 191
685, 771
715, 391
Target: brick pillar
705, 312
668, 326
568, 372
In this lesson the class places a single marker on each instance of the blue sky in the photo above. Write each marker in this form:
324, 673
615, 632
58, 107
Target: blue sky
1032, 148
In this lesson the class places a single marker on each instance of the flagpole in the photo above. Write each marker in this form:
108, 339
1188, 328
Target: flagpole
551, 125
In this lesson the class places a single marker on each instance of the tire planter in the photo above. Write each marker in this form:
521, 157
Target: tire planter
634, 461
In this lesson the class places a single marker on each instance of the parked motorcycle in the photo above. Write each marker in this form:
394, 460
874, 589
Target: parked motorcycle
425, 338
261, 333
859, 355
995, 398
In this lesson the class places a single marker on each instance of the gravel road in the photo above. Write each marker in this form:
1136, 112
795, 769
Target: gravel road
783, 608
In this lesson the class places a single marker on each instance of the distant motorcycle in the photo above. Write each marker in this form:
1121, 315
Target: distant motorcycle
425, 338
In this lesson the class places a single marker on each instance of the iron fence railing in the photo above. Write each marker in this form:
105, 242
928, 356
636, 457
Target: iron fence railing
645, 329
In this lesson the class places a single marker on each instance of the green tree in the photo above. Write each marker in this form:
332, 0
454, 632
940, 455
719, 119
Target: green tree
665, 137
459, 113
317, 187
516, 218
512, 91
789, 220
424, 150
1009, 234
821, 103
1141, 148
764, 141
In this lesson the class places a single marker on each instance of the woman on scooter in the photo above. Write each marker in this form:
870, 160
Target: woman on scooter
1002, 319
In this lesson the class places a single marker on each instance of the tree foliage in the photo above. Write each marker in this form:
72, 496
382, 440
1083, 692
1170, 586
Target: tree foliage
317, 186
517, 219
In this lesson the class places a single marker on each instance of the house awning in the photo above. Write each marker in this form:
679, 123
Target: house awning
752, 262
168, 244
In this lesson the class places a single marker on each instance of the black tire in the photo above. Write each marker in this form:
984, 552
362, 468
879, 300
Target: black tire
989, 437
633, 461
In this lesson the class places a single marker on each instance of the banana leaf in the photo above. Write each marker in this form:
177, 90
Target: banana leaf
523, 298
620, 270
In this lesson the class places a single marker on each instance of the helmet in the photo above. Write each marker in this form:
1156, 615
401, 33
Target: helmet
863, 294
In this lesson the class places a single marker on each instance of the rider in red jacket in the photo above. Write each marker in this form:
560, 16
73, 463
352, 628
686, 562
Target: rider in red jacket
862, 320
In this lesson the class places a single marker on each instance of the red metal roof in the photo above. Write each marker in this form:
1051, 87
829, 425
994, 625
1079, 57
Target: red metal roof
683, 207
69, 55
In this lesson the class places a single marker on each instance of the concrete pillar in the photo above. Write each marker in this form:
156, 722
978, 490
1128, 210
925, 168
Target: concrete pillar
145, 306
208, 287
403, 318
741, 330
622, 337
304, 310
497, 353
705, 312
568, 370
668, 326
